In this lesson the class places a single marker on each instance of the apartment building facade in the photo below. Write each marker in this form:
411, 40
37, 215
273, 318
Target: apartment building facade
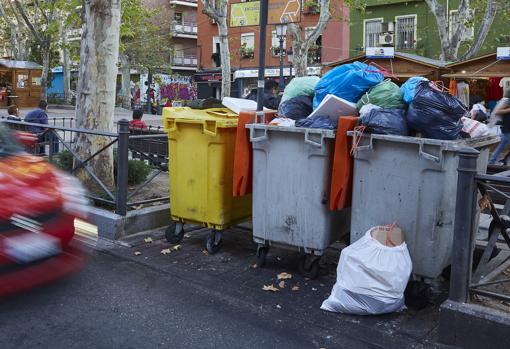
244, 45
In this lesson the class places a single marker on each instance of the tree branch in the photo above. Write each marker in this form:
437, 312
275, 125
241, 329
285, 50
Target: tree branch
210, 10
481, 35
324, 17
41, 10
27, 22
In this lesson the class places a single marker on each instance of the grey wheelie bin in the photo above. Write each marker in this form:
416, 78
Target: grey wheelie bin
412, 182
291, 182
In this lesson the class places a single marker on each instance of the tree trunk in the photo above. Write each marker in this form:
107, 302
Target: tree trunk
45, 48
481, 35
225, 58
125, 70
96, 86
300, 44
300, 59
66, 67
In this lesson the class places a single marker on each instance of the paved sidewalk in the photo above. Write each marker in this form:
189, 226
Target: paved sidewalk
231, 276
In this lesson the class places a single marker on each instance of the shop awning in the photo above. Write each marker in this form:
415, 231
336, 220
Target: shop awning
11, 64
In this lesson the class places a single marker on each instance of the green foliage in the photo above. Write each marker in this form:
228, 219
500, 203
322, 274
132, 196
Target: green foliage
65, 161
145, 43
137, 171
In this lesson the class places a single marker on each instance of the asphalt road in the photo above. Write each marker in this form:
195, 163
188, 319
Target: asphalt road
118, 303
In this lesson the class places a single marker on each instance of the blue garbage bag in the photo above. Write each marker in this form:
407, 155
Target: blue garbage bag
409, 88
296, 108
386, 122
348, 81
318, 121
435, 114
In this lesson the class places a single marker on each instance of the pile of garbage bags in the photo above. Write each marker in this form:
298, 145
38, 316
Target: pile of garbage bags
418, 107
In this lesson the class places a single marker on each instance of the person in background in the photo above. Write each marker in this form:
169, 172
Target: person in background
137, 120
38, 116
479, 112
271, 98
503, 111
13, 113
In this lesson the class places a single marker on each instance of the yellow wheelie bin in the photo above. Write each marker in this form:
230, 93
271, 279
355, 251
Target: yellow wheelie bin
201, 159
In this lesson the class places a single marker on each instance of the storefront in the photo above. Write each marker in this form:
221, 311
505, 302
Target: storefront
246, 79
208, 84
20, 83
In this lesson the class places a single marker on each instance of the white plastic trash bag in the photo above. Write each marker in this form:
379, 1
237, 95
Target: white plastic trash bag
474, 128
371, 278
283, 122
367, 108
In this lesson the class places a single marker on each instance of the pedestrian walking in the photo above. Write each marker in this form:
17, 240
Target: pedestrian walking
503, 111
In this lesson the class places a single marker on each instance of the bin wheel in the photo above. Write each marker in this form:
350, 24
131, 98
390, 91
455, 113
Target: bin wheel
309, 266
175, 233
262, 251
214, 241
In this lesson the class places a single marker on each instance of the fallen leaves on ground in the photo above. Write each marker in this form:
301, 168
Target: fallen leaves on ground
282, 284
295, 288
148, 240
166, 251
205, 252
270, 288
278, 306
137, 253
176, 247
284, 276
314, 289
254, 266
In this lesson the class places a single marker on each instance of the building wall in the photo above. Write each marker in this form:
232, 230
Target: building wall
428, 43
335, 39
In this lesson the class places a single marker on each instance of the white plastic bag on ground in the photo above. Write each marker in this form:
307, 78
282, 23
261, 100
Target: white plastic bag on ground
474, 128
371, 278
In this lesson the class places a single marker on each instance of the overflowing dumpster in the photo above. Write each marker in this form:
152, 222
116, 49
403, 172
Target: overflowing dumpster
291, 187
201, 159
412, 182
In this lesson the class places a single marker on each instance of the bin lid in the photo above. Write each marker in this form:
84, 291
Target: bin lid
223, 117
325, 132
453, 145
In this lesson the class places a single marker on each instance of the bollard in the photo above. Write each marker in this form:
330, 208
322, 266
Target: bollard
122, 168
51, 139
464, 230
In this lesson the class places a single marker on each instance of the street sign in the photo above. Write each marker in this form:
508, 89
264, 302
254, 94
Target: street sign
280, 11
503, 53
380, 52
245, 14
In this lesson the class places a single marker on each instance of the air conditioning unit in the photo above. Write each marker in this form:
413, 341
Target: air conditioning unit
387, 27
387, 39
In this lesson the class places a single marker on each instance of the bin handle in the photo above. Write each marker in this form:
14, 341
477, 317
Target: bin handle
369, 146
171, 125
428, 156
254, 138
211, 131
312, 142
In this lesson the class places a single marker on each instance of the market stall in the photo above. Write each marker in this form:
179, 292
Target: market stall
401, 65
20, 83
483, 78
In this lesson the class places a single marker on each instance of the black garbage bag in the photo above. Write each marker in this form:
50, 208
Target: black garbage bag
318, 121
386, 122
296, 108
435, 114
205, 103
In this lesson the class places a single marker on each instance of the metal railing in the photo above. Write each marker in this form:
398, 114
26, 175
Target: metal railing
148, 145
469, 278
188, 28
187, 60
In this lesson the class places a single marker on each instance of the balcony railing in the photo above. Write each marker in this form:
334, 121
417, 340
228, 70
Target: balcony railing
185, 61
186, 28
